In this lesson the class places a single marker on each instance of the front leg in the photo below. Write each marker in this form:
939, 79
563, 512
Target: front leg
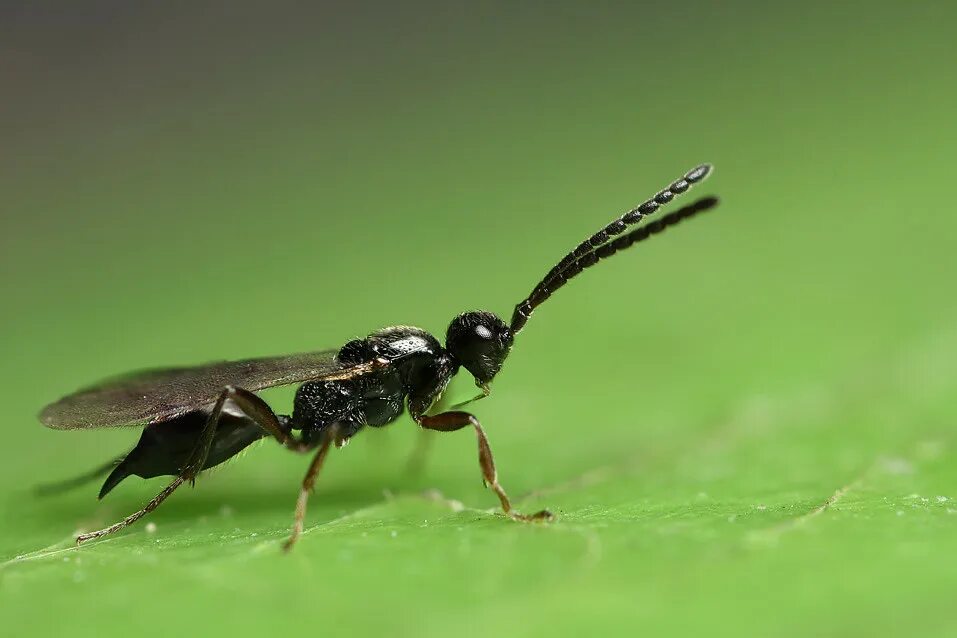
452, 421
420, 453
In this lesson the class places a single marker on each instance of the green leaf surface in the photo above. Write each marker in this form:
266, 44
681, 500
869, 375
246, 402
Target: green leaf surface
745, 426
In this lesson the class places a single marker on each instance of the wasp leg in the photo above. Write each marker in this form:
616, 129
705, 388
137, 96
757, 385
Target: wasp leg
190, 469
452, 421
260, 412
328, 437
252, 406
135, 516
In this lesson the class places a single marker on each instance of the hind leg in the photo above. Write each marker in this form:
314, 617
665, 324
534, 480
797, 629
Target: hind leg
329, 436
254, 407
135, 516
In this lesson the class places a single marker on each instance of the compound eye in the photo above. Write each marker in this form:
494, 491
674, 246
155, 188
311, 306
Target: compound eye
483, 331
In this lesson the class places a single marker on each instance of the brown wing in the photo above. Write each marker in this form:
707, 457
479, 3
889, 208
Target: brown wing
151, 396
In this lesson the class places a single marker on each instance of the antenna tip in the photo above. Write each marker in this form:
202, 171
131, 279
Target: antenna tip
696, 175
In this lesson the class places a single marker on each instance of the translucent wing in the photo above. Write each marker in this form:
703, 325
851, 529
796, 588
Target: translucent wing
151, 396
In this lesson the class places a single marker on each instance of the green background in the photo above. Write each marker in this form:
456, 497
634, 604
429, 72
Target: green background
746, 425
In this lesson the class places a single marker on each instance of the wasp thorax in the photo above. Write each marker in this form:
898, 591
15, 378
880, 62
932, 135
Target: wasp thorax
479, 341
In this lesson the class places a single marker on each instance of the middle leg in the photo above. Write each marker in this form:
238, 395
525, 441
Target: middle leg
329, 436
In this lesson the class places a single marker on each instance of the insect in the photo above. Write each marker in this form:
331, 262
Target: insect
197, 417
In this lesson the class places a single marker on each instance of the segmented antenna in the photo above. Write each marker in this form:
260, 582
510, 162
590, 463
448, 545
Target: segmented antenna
601, 245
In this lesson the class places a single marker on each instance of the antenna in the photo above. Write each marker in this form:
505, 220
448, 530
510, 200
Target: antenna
601, 245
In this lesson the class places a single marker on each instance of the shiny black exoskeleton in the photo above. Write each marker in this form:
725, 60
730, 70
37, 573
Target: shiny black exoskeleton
199, 417
416, 370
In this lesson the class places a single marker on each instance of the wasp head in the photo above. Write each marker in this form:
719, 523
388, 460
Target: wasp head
479, 341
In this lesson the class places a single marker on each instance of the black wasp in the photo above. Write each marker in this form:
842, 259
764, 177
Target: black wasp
196, 418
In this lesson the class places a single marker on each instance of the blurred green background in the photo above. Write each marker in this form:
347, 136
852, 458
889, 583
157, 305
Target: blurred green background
746, 425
